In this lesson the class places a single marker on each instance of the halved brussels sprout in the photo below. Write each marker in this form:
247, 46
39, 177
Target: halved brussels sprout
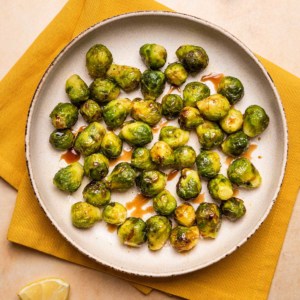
104, 90
114, 213
171, 104
185, 157
91, 111
220, 188
62, 139
176, 74
189, 185
244, 174
194, 92
235, 144
189, 118
184, 238
164, 203
231, 88
185, 215
96, 166
208, 164
77, 89
96, 193
232, 122
69, 179
111, 145
153, 55
141, 159
84, 215
174, 136
152, 84
162, 154
64, 115
233, 209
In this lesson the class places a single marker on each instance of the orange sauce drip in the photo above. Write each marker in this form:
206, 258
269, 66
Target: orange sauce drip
172, 174
235, 192
70, 156
159, 126
248, 153
173, 88
228, 160
137, 205
111, 227
125, 156
215, 78
199, 199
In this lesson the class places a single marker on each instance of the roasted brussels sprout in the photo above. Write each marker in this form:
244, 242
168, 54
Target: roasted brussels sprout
77, 89
220, 188
121, 178
232, 122
98, 60
244, 174
208, 164
89, 140
62, 139
233, 209
235, 144
255, 120
132, 232
171, 104
189, 185
136, 133
116, 111
104, 90
164, 203
194, 92
141, 159
209, 135
111, 145
151, 183
231, 88
64, 115
176, 74
152, 84
96, 193
96, 166
128, 78
214, 107
194, 58
114, 213
147, 111
158, 231
208, 218
69, 179
91, 111
189, 118
84, 215
185, 215
174, 136
153, 55
184, 238
162, 154
185, 157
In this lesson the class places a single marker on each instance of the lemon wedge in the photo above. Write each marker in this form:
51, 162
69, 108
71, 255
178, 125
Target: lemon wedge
45, 289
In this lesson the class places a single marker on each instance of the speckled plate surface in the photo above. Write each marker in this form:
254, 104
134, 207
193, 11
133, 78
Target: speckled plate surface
124, 35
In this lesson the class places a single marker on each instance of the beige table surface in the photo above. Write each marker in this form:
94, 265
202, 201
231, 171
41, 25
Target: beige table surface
268, 27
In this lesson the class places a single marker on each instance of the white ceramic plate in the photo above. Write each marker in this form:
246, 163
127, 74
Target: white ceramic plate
124, 35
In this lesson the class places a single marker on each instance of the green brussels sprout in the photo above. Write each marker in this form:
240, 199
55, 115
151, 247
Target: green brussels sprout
62, 139
128, 78
91, 111
184, 238
162, 154
104, 90
69, 179
231, 88
208, 218
132, 232
235, 144
84, 215
147, 111
189, 118
214, 107
185, 157
189, 185
164, 203
64, 115
176, 74
232, 122
185, 215
171, 104
220, 188
153, 55
194, 92
111, 145
151, 182
136, 133
116, 111
194, 58
244, 174
121, 178
233, 209
209, 135
255, 120
89, 140
152, 84
77, 89
96, 166
208, 164
98, 60
96, 193
114, 213
141, 159
174, 136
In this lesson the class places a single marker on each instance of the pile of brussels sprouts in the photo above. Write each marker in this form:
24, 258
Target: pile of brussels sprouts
214, 119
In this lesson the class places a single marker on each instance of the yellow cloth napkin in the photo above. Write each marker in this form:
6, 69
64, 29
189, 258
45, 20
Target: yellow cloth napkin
245, 274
